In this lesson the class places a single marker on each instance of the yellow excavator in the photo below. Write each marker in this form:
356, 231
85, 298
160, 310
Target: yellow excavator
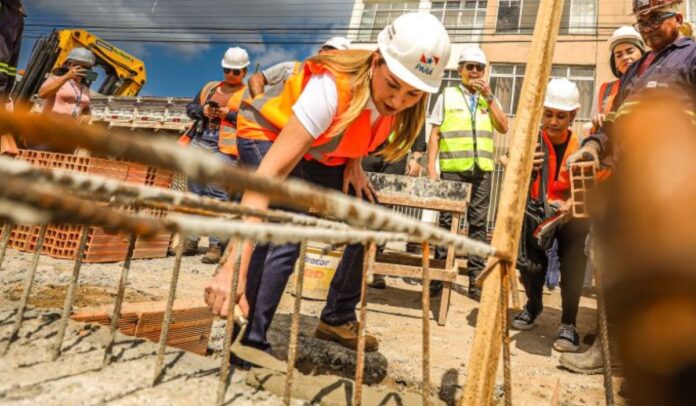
125, 74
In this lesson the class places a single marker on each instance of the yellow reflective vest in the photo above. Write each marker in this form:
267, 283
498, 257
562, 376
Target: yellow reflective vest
465, 138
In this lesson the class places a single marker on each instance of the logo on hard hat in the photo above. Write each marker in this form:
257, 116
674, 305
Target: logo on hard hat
642, 3
426, 65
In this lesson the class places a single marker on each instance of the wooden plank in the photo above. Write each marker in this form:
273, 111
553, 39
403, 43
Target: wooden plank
408, 259
485, 352
421, 192
415, 272
422, 203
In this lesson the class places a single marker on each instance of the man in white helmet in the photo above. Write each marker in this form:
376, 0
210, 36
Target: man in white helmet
464, 120
550, 192
214, 111
280, 72
12, 15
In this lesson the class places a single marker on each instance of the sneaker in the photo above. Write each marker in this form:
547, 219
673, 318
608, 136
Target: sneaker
568, 339
475, 292
190, 248
346, 335
436, 288
212, 256
378, 282
524, 320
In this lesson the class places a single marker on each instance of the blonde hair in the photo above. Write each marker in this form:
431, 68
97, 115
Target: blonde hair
357, 63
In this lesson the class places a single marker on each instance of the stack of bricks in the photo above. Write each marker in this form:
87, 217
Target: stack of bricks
62, 240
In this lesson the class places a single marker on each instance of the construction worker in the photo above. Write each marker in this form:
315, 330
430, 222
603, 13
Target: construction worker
463, 121
561, 105
341, 106
280, 72
66, 91
214, 111
12, 15
669, 65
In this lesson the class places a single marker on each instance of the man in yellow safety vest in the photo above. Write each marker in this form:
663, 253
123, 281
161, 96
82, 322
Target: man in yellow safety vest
463, 123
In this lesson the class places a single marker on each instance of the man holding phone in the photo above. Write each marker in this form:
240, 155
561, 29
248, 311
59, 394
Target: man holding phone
214, 111
464, 120
66, 91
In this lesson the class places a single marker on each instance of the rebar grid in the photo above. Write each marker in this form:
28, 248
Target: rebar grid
229, 327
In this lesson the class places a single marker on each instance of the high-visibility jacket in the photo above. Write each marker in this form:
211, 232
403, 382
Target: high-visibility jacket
227, 141
465, 139
263, 118
607, 93
558, 187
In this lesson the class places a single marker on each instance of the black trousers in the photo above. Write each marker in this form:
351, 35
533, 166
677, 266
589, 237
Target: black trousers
571, 251
377, 164
11, 28
476, 216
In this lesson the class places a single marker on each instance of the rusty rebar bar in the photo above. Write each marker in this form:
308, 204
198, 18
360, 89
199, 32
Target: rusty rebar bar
204, 167
70, 294
28, 282
120, 294
295, 324
368, 263
604, 340
5, 242
168, 312
425, 299
229, 327
505, 332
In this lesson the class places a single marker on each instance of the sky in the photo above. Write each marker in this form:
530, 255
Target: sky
183, 41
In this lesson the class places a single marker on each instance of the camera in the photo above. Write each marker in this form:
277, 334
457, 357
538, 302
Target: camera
213, 123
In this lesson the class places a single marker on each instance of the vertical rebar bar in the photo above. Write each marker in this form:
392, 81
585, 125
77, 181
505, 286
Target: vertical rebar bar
231, 306
604, 340
368, 262
28, 282
116, 314
70, 294
505, 332
295, 326
5, 242
425, 297
167, 319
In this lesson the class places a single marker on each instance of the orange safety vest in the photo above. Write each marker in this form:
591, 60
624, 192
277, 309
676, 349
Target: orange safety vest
227, 142
607, 94
558, 188
263, 118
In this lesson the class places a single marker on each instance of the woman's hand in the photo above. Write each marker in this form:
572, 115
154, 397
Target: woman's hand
353, 175
538, 158
598, 120
75, 72
414, 168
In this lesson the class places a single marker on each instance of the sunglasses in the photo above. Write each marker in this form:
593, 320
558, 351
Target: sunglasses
235, 72
474, 67
654, 21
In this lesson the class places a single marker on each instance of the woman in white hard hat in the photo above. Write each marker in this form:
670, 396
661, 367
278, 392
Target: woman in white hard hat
338, 108
552, 184
626, 46
66, 91
214, 111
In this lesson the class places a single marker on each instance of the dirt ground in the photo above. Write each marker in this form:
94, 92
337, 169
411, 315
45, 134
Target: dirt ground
394, 316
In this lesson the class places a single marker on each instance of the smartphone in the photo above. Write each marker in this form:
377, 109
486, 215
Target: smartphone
213, 104
90, 76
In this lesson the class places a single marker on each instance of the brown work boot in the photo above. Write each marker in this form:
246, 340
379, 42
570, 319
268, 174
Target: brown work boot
589, 362
212, 256
346, 335
190, 248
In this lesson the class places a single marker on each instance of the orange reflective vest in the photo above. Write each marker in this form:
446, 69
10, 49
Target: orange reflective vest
227, 142
263, 118
607, 94
558, 187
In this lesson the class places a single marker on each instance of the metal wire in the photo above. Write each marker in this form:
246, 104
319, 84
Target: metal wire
232, 305
425, 298
295, 326
368, 263
5, 242
505, 331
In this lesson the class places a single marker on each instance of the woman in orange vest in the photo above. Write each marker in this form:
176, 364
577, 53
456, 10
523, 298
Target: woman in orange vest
560, 107
214, 111
319, 125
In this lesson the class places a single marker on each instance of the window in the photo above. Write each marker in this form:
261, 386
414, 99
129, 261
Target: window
519, 17
377, 15
691, 10
506, 82
463, 19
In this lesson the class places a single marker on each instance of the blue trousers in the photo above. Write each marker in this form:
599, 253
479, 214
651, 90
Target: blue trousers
209, 142
271, 265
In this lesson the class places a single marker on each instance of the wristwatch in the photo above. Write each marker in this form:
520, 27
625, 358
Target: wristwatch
490, 98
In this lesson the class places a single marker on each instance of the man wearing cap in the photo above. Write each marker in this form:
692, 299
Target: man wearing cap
280, 72
464, 120
12, 15
214, 111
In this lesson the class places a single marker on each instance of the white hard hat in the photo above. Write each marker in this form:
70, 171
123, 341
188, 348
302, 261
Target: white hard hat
626, 34
562, 94
341, 43
473, 54
235, 58
83, 55
416, 48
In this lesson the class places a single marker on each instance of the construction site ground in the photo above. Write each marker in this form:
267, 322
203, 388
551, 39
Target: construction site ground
394, 316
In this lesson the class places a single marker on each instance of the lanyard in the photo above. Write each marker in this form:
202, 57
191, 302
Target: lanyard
78, 97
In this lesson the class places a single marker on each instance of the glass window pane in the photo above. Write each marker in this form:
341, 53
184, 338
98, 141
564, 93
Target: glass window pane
586, 88
529, 15
502, 88
582, 71
501, 69
559, 71
508, 16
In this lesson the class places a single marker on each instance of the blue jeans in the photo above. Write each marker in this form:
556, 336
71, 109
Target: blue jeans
271, 265
208, 141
